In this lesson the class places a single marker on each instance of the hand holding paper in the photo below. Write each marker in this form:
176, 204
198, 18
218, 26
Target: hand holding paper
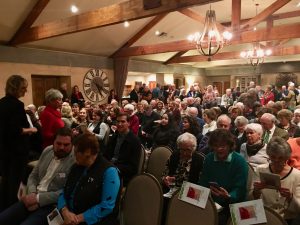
285, 192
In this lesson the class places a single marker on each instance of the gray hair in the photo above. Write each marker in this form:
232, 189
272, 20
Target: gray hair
129, 107
224, 116
31, 107
187, 138
241, 120
269, 116
279, 147
256, 127
53, 94
297, 111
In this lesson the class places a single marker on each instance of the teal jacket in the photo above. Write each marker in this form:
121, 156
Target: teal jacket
231, 174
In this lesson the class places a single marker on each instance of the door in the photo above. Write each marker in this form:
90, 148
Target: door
41, 84
226, 85
219, 87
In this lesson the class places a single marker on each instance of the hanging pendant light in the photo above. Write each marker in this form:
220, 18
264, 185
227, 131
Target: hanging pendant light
210, 41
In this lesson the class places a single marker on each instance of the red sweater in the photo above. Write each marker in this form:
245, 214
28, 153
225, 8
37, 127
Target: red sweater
51, 121
294, 160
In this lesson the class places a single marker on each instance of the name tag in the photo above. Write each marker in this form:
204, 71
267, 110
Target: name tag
62, 175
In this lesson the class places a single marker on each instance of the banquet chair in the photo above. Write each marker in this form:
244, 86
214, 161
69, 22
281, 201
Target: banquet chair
273, 218
142, 202
251, 178
180, 212
157, 161
141, 161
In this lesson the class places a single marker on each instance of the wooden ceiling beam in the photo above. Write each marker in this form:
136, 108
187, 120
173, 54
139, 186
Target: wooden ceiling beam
274, 33
279, 51
143, 31
113, 14
278, 16
199, 18
177, 55
236, 15
265, 14
30, 19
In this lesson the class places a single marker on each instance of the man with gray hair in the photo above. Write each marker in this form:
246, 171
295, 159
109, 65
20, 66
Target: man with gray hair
193, 112
223, 122
268, 121
51, 117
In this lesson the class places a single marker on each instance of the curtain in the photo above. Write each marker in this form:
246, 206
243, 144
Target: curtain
120, 75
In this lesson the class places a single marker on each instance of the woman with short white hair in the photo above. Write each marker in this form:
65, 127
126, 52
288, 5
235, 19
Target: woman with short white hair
254, 150
184, 164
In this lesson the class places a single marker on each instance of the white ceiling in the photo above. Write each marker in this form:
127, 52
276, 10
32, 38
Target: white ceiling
106, 40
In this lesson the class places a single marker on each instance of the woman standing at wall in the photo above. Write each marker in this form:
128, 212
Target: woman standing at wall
14, 132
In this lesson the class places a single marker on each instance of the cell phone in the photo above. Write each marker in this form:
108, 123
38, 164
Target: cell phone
214, 184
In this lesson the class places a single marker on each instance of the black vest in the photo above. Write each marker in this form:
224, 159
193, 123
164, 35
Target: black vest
87, 188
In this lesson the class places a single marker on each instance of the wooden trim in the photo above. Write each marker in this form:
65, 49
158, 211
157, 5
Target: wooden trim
30, 19
199, 18
139, 34
279, 51
274, 33
265, 14
236, 15
178, 54
113, 14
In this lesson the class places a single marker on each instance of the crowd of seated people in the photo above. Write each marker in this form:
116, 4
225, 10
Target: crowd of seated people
213, 139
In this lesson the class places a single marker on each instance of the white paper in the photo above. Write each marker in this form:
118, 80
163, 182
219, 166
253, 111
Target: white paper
246, 213
54, 218
194, 194
271, 180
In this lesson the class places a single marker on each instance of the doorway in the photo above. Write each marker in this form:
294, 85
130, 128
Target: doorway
41, 84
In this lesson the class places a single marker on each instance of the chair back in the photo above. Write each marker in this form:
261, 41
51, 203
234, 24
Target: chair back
273, 218
157, 161
180, 212
141, 161
251, 178
142, 202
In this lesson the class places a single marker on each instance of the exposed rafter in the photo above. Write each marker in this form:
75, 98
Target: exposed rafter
279, 51
178, 54
274, 33
236, 15
30, 19
265, 14
113, 14
278, 16
143, 31
199, 18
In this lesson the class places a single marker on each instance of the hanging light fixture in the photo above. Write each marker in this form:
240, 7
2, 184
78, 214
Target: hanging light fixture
256, 55
210, 41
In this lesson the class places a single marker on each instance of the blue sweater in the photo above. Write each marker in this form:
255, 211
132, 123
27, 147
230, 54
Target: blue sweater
231, 174
111, 185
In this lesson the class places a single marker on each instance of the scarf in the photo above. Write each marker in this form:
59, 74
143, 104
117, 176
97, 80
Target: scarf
253, 149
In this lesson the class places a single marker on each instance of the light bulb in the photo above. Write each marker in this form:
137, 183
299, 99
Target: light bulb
126, 24
74, 9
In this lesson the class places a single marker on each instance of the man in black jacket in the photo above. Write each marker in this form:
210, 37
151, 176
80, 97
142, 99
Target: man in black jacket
124, 149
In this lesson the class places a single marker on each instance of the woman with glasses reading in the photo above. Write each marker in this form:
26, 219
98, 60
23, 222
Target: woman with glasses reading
286, 198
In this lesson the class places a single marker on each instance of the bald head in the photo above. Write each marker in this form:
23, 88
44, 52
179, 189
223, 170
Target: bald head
267, 120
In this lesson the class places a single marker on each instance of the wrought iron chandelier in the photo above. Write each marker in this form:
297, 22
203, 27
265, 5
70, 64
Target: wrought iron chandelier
210, 41
257, 55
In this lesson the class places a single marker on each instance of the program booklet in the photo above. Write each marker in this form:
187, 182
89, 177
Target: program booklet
54, 218
270, 179
194, 194
246, 213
